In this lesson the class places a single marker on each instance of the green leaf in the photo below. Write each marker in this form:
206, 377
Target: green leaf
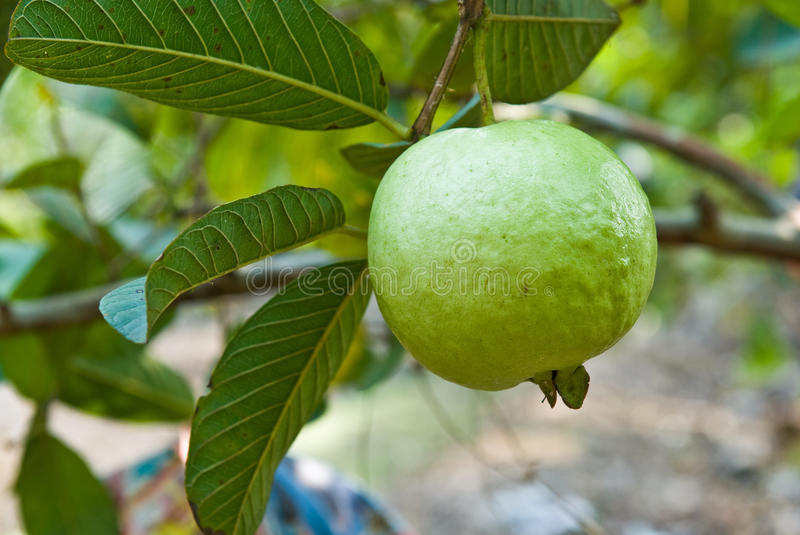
284, 62
376, 158
536, 48
788, 10
229, 237
17, 259
373, 158
783, 125
64, 209
6, 8
58, 493
63, 173
268, 383
467, 117
68, 264
139, 388
26, 364
431, 56
765, 350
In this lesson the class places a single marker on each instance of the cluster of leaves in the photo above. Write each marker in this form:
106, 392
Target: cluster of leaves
288, 63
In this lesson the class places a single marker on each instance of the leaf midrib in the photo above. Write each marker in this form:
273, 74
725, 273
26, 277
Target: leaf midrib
498, 17
323, 339
369, 111
134, 387
294, 245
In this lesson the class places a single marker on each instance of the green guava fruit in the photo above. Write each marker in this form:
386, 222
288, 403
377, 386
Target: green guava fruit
509, 253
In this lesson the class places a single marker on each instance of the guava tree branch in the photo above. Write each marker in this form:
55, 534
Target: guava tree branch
772, 238
693, 150
81, 307
469, 12
704, 226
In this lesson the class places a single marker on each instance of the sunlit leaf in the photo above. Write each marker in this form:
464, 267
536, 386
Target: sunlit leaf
789, 10
537, 47
229, 237
58, 493
268, 383
285, 62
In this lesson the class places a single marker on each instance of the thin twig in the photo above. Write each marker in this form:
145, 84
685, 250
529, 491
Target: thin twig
354, 231
775, 239
469, 12
82, 306
767, 238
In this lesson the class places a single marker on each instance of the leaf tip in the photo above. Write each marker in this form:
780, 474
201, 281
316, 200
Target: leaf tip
125, 310
206, 531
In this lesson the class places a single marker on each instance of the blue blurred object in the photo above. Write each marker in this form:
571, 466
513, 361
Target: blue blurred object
308, 498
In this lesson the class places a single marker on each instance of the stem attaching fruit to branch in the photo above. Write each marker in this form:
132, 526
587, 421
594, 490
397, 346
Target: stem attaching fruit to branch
470, 12
481, 29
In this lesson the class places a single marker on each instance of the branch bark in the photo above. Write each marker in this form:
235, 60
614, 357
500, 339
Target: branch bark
75, 308
767, 238
693, 150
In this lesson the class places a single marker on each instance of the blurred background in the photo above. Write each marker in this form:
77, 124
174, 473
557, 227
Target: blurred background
691, 425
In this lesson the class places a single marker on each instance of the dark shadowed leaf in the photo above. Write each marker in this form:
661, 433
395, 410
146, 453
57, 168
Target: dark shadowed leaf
6, 8
268, 383
227, 238
375, 158
63, 173
58, 493
133, 388
284, 62
26, 364
432, 54
537, 47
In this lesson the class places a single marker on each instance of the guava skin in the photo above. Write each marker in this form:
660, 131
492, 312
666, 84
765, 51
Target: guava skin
554, 214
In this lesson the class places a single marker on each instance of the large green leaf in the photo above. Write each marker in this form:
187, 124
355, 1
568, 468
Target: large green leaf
92, 368
537, 47
284, 62
267, 384
136, 388
59, 495
63, 173
227, 238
